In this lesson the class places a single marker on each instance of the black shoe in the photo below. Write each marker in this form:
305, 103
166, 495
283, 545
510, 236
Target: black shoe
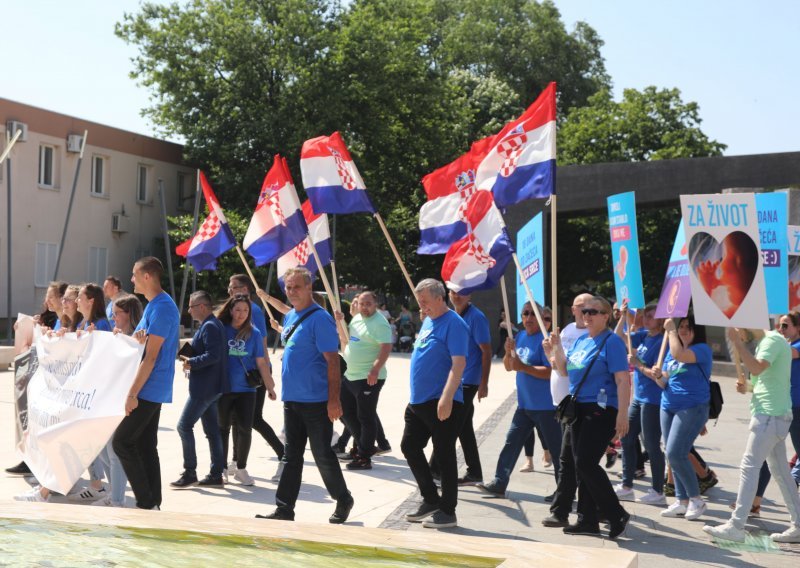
492, 488
343, 508
550, 498
187, 479
360, 463
211, 481
618, 526
582, 528
20, 469
425, 510
440, 520
383, 449
278, 515
707, 482
348, 456
552, 521
469, 480
611, 459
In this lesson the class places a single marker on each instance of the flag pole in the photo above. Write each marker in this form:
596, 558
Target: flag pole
663, 351
252, 278
505, 306
194, 231
327, 285
333, 263
553, 261
394, 250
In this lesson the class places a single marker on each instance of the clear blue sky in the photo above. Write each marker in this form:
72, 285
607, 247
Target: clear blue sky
737, 59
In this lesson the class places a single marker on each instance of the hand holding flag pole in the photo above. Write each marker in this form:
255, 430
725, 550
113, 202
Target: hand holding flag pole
333, 299
663, 351
505, 306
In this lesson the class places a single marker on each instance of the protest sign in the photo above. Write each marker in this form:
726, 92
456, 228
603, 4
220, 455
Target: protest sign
75, 401
625, 249
23, 333
726, 272
793, 242
676, 294
25, 366
772, 220
530, 247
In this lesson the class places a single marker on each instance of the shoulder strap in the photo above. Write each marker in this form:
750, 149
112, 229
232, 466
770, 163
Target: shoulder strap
296, 324
589, 368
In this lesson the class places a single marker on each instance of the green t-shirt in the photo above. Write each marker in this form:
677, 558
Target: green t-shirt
771, 388
366, 337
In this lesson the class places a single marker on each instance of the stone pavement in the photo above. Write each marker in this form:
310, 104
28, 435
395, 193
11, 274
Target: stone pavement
384, 493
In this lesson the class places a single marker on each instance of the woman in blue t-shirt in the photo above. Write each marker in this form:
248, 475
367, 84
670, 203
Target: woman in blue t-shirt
91, 305
600, 357
789, 326
685, 377
245, 347
70, 318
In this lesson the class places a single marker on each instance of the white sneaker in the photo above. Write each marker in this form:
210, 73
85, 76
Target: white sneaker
789, 535
695, 509
624, 493
243, 477
279, 472
88, 494
725, 531
652, 497
106, 502
675, 510
32, 496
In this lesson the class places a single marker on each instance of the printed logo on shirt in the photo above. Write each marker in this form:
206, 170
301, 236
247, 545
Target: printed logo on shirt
576, 360
237, 347
420, 342
675, 368
354, 338
524, 354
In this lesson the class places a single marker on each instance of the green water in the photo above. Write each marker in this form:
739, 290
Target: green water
52, 544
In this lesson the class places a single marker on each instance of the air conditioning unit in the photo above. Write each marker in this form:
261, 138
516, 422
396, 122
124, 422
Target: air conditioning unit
74, 142
12, 126
119, 223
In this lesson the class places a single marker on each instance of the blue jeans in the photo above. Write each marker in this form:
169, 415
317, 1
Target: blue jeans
116, 475
522, 426
680, 429
205, 410
794, 434
643, 418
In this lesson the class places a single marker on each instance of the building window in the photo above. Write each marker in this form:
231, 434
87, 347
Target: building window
141, 184
186, 192
46, 165
45, 257
98, 264
99, 173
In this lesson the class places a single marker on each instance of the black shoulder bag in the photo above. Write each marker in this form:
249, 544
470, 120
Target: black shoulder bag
715, 403
567, 409
252, 377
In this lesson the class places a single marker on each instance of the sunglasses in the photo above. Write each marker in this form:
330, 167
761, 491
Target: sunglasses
783, 326
591, 312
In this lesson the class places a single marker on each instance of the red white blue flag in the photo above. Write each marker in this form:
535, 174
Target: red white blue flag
330, 177
277, 224
301, 255
521, 163
213, 238
478, 260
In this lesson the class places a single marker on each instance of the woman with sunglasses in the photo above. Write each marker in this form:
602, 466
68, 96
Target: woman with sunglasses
685, 378
599, 361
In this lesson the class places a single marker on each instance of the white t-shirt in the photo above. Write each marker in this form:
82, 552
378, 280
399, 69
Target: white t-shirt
559, 384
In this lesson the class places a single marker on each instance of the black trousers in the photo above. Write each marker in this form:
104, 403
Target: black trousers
466, 435
259, 425
582, 446
422, 424
136, 445
360, 413
240, 404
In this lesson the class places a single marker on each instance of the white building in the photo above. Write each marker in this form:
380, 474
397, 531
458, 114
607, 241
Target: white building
116, 213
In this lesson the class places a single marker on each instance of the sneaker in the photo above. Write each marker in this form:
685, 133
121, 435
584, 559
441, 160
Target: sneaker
423, 511
492, 488
726, 532
617, 527
440, 520
582, 528
639, 474
187, 479
20, 469
88, 494
611, 459
383, 449
243, 477
348, 456
211, 481
278, 515
624, 493
527, 468
677, 509
707, 482
695, 509
652, 498
106, 502
552, 521
32, 496
278, 472
360, 463
789, 535
469, 480
669, 490
343, 508
229, 471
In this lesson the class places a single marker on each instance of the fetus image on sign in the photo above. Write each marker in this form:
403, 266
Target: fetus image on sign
622, 263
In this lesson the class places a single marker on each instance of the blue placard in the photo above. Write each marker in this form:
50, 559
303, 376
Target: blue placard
625, 249
530, 248
772, 222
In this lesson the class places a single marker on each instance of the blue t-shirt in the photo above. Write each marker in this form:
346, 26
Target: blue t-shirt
532, 393
257, 317
110, 313
613, 358
438, 340
99, 325
57, 325
161, 318
796, 376
647, 348
688, 383
478, 333
304, 375
242, 354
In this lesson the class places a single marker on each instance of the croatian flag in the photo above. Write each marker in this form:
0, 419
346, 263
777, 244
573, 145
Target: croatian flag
330, 177
442, 219
478, 260
521, 164
213, 238
301, 255
277, 224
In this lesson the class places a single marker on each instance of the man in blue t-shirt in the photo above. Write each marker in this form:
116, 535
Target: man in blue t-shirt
436, 408
310, 382
112, 289
136, 438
